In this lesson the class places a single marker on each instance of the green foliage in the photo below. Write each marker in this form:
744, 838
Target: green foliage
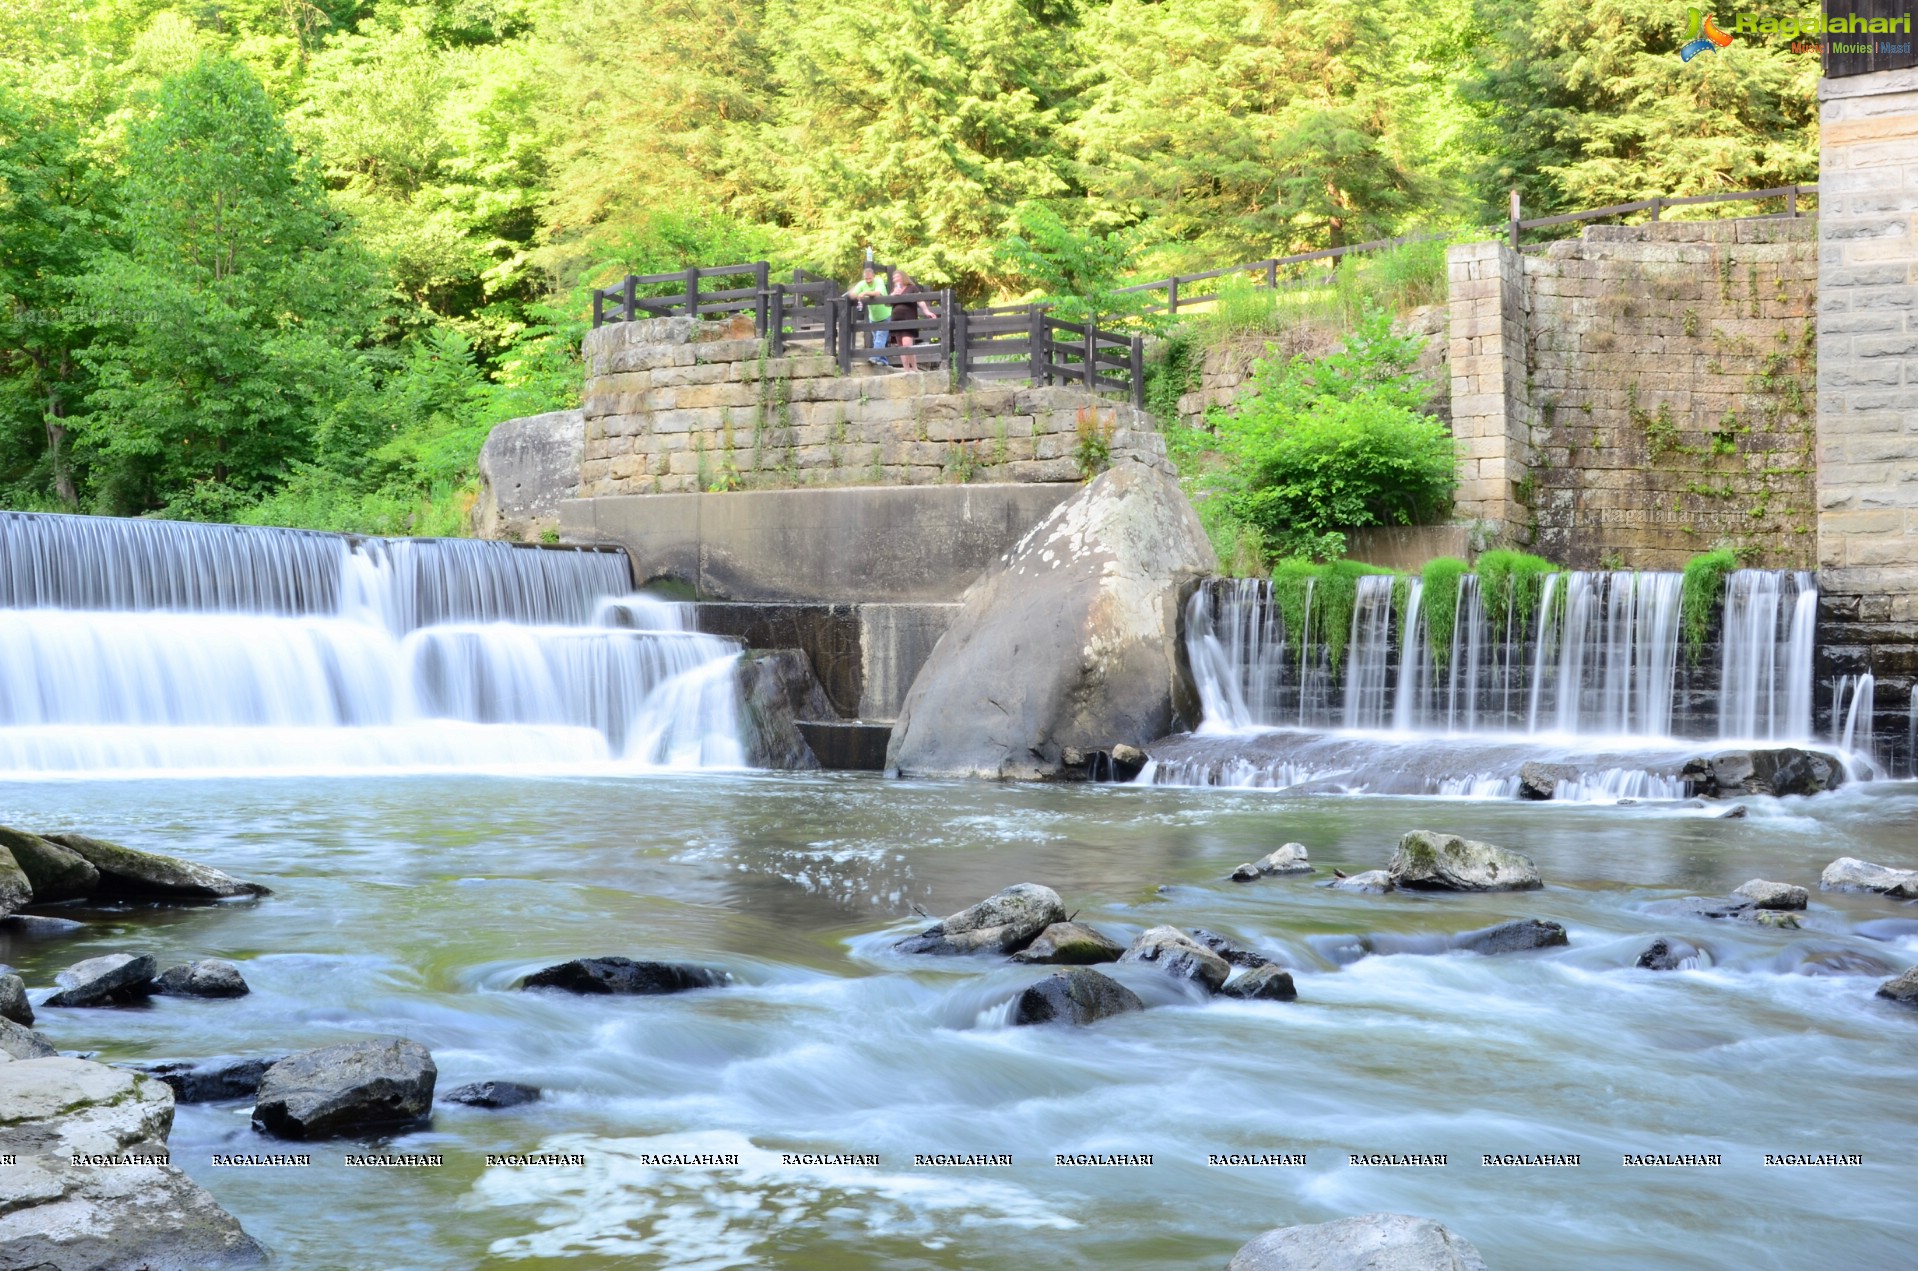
1317, 600
1700, 594
1078, 272
1510, 585
1331, 444
1439, 600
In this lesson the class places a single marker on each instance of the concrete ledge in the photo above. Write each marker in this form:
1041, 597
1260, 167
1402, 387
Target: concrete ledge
878, 543
1408, 546
865, 655
847, 747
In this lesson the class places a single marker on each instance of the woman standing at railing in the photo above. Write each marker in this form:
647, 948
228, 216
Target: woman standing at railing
908, 311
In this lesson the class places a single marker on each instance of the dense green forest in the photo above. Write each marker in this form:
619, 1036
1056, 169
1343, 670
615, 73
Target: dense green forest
286, 261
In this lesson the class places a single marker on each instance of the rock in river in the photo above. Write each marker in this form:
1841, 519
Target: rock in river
1377, 881
1226, 949
17, 1041
357, 1087
1287, 859
1179, 955
64, 1214
1848, 873
1786, 770
1446, 862
13, 1000
492, 1094
1003, 922
1263, 984
1903, 989
1371, 1242
1070, 944
210, 977
111, 979
1513, 937
623, 975
1539, 781
211, 1080
1769, 895
1671, 954
1069, 642
15, 891
1077, 996
125, 872
54, 872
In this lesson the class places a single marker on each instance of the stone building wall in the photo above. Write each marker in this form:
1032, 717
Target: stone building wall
1868, 404
677, 406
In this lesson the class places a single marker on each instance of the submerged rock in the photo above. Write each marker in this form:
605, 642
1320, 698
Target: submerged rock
1903, 989
1446, 862
1070, 642
210, 977
354, 1088
1226, 949
1078, 996
1377, 881
13, 1000
1179, 955
1070, 944
1371, 1242
1740, 908
1266, 983
15, 891
1003, 922
62, 1214
1769, 895
54, 872
1848, 873
623, 975
112, 979
125, 872
1513, 937
492, 1094
1669, 954
211, 1080
17, 1041
1539, 781
1782, 771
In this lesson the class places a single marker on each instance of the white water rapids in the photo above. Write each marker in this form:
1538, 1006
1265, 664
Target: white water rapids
152, 647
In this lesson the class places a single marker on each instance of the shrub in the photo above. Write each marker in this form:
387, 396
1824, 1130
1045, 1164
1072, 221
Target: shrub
1317, 599
1510, 584
1701, 592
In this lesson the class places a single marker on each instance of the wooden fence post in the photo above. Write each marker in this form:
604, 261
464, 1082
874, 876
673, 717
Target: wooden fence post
692, 291
1138, 372
1172, 297
761, 273
1658, 205
777, 319
1516, 209
599, 307
631, 300
1272, 274
1791, 201
1091, 368
1036, 346
841, 331
961, 358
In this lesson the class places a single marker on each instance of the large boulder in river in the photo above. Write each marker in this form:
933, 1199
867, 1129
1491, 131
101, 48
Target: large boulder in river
1070, 944
61, 1212
354, 1088
526, 467
1070, 642
1445, 862
1540, 781
112, 979
1785, 770
1290, 858
624, 976
1769, 895
1371, 1242
1078, 996
54, 872
1179, 955
1903, 989
17, 1041
16, 892
1003, 922
1513, 937
209, 977
125, 872
1848, 873
13, 1000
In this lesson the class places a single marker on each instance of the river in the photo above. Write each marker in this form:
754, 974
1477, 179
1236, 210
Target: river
410, 905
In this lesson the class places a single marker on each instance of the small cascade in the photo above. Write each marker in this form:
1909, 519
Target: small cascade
1598, 655
151, 646
1856, 733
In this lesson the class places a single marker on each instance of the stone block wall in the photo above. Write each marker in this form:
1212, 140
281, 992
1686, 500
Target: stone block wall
1868, 402
677, 406
1642, 393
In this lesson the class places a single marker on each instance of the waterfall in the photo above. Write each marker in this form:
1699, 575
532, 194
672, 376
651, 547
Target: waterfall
157, 646
1857, 731
1599, 655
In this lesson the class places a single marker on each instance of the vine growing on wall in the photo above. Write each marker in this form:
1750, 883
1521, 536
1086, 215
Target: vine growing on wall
1700, 594
1316, 601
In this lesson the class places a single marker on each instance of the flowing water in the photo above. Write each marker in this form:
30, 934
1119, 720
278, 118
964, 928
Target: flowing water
410, 905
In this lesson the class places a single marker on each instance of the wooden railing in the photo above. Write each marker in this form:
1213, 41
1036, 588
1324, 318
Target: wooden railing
1789, 193
1266, 274
624, 303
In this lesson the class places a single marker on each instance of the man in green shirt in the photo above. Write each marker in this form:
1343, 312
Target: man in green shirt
869, 285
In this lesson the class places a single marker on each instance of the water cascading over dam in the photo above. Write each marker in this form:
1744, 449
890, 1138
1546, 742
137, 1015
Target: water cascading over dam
141, 646
1591, 670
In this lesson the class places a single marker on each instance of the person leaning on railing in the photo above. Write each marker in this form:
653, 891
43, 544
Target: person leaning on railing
908, 311
870, 285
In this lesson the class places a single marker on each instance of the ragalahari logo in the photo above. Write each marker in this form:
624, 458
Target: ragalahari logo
1701, 35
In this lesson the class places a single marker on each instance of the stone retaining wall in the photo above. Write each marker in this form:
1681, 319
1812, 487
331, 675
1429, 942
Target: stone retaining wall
677, 406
